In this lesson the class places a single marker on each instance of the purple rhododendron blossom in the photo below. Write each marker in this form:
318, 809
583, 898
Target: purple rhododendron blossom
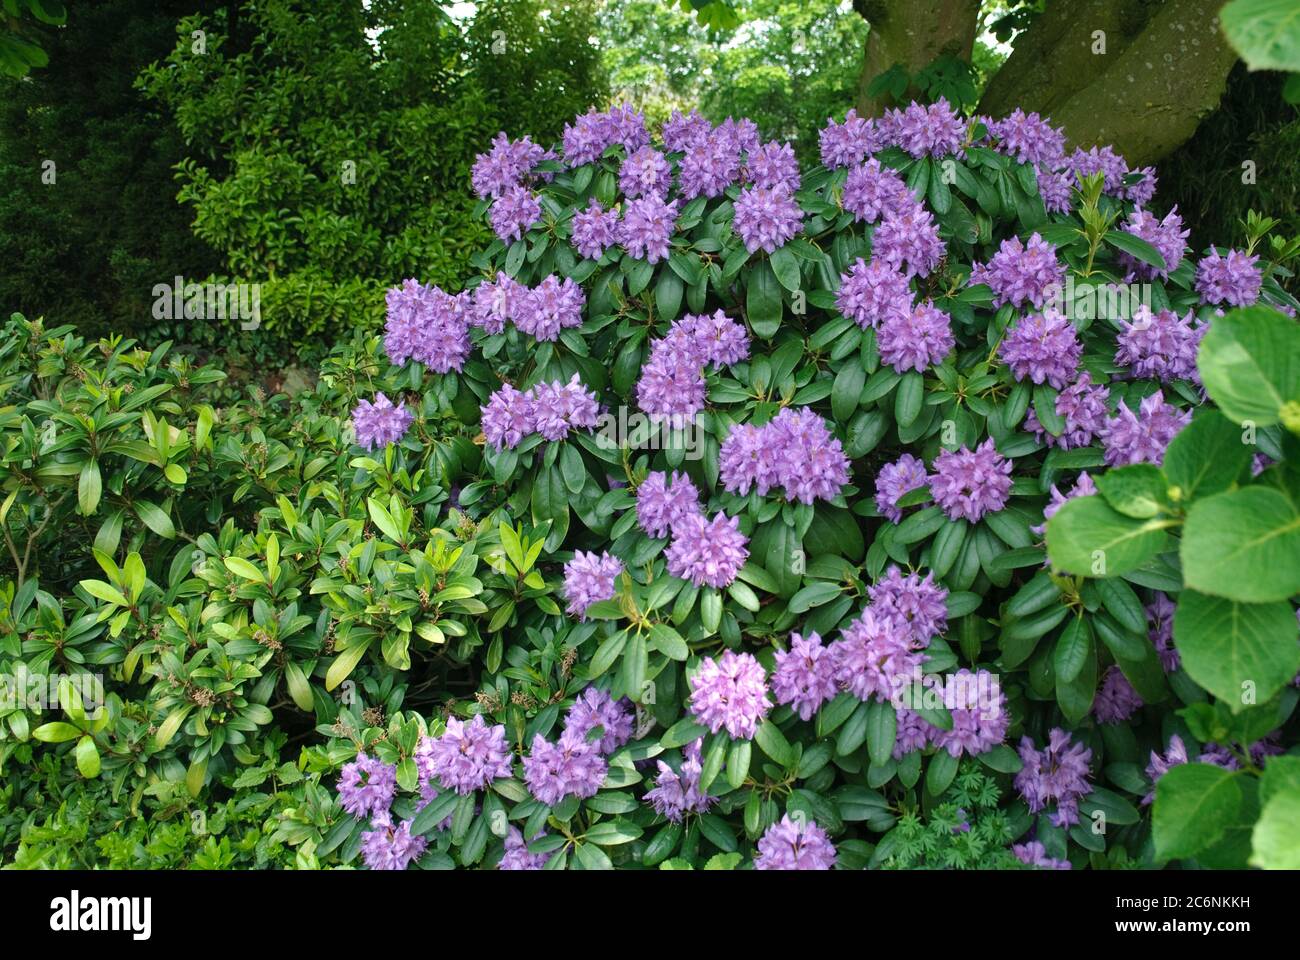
1058, 773
1143, 436
794, 845
366, 787
918, 605
767, 217
589, 578
1234, 279
1042, 347
1116, 701
730, 693
707, 552
572, 766
1022, 273
663, 503
379, 423
1082, 407
915, 339
895, 479
596, 708
677, 792
468, 756
871, 293
967, 484
1160, 345
805, 675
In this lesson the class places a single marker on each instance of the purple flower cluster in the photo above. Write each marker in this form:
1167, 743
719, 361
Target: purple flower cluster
895, 479
1167, 236
1029, 139
386, 847
517, 857
366, 786
596, 708
1082, 405
1056, 774
1143, 436
978, 708
467, 757
795, 845
514, 212
1022, 273
1116, 701
730, 693
663, 503
683, 131
915, 339
709, 166
1160, 630
1034, 854
428, 325
1105, 161
916, 605
795, 451
967, 484
1233, 279
848, 143
767, 217
805, 675
1160, 764
936, 130
672, 381
380, 423
594, 230
909, 241
871, 293
773, 165
551, 409
507, 164
872, 191
1159, 345
1043, 347
551, 306
1083, 487
592, 134
575, 765
707, 552
647, 228
677, 792
589, 578
874, 657
645, 172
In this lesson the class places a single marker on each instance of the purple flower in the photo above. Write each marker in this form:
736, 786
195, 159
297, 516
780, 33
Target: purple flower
517, 857
767, 217
677, 793
1034, 854
570, 767
872, 293
1022, 273
707, 552
590, 135
404, 328
730, 692
874, 657
872, 191
1159, 765
916, 605
647, 227
913, 732
671, 387
391, 848
680, 132
506, 418
645, 172
366, 786
663, 504
845, 144
1056, 774
596, 708
1043, 347
468, 756
1029, 139
911, 238
804, 675
1167, 236
773, 165
1159, 345
551, 306
979, 714
1141, 192
515, 212
1143, 436
795, 845
1233, 279
970, 483
589, 579
1160, 630
595, 230
1101, 160
895, 479
380, 423
1116, 701
556, 408
709, 167
717, 339
1056, 189
504, 166
1083, 408
795, 450
1083, 487
936, 130
497, 302
916, 339
742, 134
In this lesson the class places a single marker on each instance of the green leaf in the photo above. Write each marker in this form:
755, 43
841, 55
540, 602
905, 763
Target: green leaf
1088, 538
683, 732
345, 663
1136, 247
87, 758
57, 732
382, 519
763, 304
1194, 804
1244, 545
882, 730
847, 389
155, 519
1233, 649
738, 763
1073, 648
909, 399
772, 741
103, 591
1276, 839
243, 568
1265, 32
786, 268
1250, 364
1207, 456
1139, 491
89, 487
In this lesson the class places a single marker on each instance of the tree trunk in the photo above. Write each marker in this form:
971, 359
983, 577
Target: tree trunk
1162, 70
912, 33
